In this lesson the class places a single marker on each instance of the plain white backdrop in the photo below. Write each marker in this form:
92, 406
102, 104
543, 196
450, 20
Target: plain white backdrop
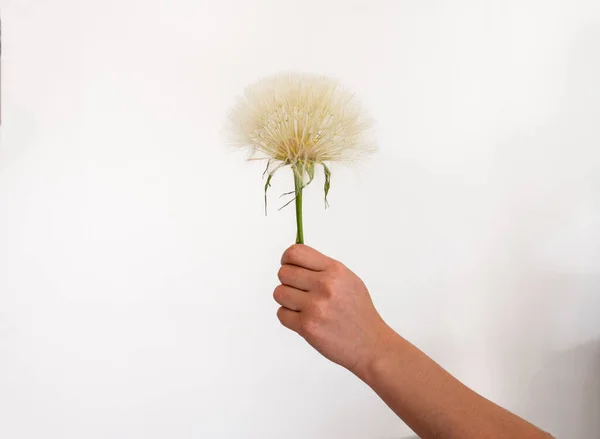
137, 266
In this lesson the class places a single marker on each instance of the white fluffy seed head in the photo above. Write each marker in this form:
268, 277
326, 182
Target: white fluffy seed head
300, 120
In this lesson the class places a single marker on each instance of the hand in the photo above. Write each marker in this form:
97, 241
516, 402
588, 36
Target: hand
330, 307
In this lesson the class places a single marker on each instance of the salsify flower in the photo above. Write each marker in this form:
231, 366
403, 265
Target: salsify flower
302, 121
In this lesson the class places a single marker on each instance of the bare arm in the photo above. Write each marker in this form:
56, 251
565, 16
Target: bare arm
330, 307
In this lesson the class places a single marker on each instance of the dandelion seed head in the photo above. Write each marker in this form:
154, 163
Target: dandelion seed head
300, 120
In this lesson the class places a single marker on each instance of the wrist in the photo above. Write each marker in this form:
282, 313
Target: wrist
381, 356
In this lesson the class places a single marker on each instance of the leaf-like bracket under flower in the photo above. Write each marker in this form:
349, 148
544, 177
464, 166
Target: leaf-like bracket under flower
327, 183
308, 168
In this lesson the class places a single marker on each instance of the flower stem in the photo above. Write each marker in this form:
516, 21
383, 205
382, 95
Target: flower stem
298, 190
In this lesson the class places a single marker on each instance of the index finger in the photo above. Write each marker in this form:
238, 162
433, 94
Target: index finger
305, 257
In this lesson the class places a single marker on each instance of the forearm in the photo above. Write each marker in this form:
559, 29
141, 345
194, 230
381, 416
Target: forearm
432, 402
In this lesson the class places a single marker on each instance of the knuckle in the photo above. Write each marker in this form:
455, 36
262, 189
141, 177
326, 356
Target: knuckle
283, 317
308, 327
281, 272
318, 309
293, 252
337, 268
327, 284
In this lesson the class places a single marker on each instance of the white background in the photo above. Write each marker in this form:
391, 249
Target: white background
136, 264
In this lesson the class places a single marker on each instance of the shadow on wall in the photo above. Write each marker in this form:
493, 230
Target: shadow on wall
543, 283
546, 279
566, 394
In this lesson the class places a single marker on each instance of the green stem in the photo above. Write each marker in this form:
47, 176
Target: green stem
298, 186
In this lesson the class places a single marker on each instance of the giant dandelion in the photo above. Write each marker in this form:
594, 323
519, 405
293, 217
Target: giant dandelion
302, 121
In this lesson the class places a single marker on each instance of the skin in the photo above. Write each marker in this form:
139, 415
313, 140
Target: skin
330, 307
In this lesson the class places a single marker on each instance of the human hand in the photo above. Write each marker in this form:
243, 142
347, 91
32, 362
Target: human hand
330, 307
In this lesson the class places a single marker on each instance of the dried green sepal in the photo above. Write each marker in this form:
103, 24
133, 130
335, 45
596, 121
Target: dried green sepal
327, 183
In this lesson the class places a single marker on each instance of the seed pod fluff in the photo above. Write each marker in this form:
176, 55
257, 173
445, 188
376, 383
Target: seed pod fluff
303, 121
